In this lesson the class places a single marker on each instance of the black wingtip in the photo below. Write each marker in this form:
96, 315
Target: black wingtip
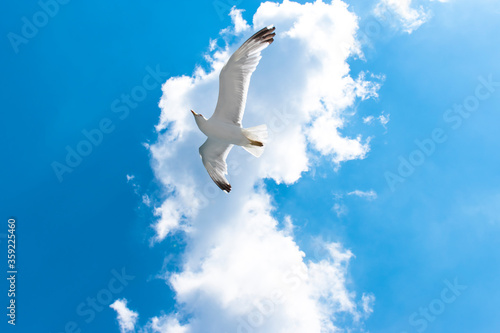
224, 186
265, 35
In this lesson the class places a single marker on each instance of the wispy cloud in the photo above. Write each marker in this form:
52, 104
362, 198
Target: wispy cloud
401, 14
340, 209
368, 119
384, 119
404, 15
367, 302
370, 195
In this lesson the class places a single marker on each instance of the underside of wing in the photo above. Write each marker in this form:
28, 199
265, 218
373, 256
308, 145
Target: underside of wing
235, 76
213, 155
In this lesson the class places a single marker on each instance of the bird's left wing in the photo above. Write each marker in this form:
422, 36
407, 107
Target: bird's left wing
213, 155
234, 77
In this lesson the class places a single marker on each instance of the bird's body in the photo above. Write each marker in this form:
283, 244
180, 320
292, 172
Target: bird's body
222, 131
224, 128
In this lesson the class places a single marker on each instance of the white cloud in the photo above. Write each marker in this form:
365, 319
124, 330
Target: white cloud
288, 226
384, 119
368, 120
328, 140
164, 324
370, 195
146, 200
367, 301
240, 25
400, 13
240, 271
247, 276
126, 317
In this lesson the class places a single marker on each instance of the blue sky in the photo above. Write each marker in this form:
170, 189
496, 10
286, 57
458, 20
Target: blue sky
76, 234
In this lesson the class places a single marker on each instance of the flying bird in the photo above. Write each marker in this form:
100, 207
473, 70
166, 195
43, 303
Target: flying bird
224, 128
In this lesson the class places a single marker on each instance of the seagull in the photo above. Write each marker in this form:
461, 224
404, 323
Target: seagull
224, 128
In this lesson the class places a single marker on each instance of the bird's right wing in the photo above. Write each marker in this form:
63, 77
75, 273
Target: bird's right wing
234, 77
213, 155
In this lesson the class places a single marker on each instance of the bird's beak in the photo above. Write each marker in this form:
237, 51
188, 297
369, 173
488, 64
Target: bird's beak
194, 113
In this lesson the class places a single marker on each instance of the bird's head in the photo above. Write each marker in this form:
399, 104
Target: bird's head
198, 117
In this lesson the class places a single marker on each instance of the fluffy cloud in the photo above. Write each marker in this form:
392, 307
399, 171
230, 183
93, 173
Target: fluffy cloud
254, 278
164, 324
241, 272
239, 23
126, 317
301, 90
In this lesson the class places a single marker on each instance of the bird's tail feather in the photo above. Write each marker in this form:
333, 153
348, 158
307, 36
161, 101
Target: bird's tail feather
257, 137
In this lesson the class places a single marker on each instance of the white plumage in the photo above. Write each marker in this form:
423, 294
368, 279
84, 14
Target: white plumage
224, 128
